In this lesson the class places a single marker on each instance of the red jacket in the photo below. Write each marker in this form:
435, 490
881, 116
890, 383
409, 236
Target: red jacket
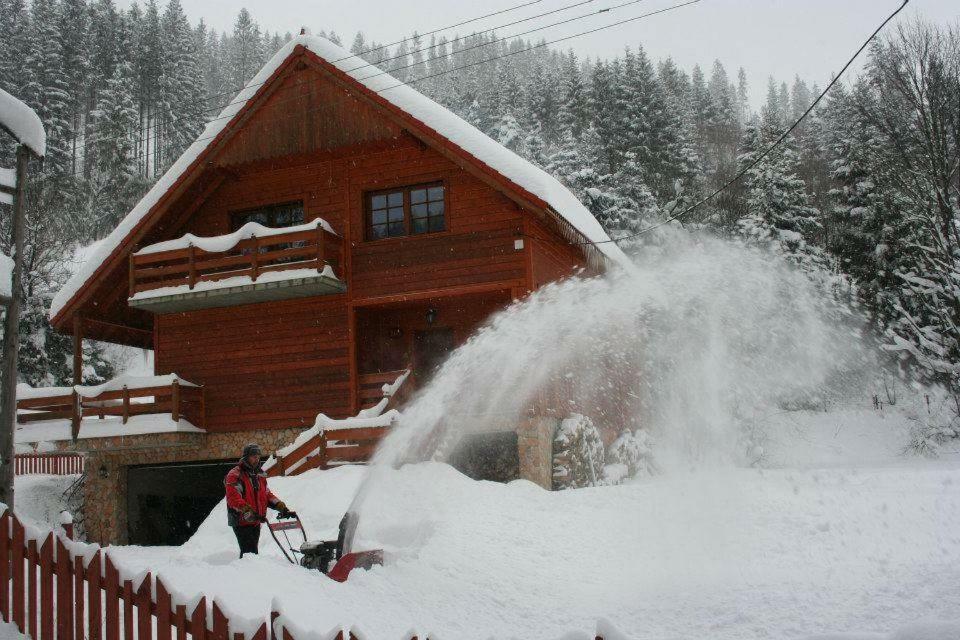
246, 488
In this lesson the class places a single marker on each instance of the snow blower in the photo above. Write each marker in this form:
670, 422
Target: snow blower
319, 554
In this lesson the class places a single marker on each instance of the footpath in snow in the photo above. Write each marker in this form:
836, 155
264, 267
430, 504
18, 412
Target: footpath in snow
814, 548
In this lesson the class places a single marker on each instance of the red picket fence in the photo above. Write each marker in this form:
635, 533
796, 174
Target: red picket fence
57, 589
57, 464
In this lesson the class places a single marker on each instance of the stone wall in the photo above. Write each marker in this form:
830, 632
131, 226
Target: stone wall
107, 460
535, 449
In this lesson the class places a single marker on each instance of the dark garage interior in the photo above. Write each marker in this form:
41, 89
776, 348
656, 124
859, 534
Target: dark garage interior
166, 503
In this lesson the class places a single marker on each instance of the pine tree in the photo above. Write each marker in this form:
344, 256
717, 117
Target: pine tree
180, 108
244, 51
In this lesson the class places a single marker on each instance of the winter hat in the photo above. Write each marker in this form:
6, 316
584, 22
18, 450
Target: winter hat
252, 449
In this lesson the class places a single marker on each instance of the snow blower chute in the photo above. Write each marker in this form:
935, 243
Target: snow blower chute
319, 554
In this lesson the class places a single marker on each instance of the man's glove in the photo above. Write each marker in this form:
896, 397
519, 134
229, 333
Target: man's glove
247, 513
282, 509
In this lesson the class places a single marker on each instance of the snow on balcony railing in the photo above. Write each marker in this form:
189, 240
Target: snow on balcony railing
253, 253
153, 403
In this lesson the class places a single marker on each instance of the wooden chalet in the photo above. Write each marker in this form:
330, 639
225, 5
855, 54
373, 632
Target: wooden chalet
330, 230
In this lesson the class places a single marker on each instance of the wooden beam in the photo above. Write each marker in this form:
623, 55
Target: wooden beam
77, 349
449, 292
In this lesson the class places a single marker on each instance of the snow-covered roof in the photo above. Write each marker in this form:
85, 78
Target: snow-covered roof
521, 172
6, 273
23, 123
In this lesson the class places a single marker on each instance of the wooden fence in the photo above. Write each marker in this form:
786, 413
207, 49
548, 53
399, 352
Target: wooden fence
301, 249
349, 445
59, 589
176, 398
57, 464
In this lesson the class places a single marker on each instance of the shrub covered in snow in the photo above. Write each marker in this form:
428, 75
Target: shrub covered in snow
578, 455
630, 456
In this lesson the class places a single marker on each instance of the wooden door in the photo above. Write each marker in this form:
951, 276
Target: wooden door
430, 349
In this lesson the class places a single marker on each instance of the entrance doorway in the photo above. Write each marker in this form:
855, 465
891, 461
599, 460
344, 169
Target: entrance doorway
167, 503
430, 349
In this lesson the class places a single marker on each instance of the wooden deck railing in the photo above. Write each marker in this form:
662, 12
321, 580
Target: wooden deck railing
55, 464
331, 447
313, 249
176, 397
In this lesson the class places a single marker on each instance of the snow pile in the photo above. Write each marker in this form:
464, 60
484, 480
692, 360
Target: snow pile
226, 242
6, 276
42, 499
432, 115
723, 553
23, 123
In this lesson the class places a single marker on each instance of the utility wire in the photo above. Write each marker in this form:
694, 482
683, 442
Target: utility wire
156, 124
504, 38
766, 152
235, 91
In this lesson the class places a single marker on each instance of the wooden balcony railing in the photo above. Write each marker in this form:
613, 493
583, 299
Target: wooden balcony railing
122, 397
348, 441
250, 252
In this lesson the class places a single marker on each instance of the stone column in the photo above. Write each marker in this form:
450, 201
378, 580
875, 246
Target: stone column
535, 449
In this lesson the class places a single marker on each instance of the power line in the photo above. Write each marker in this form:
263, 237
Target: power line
766, 152
153, 126
235, 91
498, 40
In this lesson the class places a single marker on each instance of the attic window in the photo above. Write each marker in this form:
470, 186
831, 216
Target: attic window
287, 214
405, 211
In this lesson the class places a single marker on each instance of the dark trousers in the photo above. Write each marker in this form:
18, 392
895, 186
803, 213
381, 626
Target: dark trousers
248, 538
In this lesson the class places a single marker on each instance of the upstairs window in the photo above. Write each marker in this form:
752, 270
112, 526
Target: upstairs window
406, 211
287, 214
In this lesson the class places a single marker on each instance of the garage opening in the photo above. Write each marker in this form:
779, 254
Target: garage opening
166, 503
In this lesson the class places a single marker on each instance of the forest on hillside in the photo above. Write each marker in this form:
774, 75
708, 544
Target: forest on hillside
865, 191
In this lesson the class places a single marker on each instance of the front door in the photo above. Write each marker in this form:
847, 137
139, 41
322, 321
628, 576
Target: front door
430, 349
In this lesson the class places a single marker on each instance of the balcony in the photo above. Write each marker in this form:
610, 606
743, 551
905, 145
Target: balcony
253, 264
123, 407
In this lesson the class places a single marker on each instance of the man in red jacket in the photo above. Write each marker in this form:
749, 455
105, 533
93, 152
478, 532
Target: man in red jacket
248, 498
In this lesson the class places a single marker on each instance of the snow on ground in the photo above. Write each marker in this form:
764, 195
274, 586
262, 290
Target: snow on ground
821, 545
41, 498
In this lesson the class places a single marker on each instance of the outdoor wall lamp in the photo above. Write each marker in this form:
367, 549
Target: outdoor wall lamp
431, 315
103, 471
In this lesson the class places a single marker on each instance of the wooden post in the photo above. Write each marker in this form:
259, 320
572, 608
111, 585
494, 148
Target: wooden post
93, 609
5, 564
46, 589
255, 259
198, 621
126, 404
76, 415
144, 610
191, 255
77, 350
18, 546
64, 593
321, 249
164, 612
33, 564
11, 337
175, 400
112, 600
132, 277
79, 589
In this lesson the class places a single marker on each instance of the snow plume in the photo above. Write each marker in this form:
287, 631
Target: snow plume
694, 346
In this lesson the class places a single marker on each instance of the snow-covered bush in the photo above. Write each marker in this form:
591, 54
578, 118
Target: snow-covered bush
578, 455
630, 456
936, 419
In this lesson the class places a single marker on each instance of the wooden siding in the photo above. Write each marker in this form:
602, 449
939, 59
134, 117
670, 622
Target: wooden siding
550, 258
306, 113
265, 365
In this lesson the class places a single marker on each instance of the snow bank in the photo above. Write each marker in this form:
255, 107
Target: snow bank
6, 275
445, 123
725, 554
226, 242
23, 123
41, 499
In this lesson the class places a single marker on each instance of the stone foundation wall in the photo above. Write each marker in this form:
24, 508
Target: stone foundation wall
535, 449
107, 460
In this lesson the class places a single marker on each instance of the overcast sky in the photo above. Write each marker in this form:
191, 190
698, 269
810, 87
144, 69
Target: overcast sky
781, 38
